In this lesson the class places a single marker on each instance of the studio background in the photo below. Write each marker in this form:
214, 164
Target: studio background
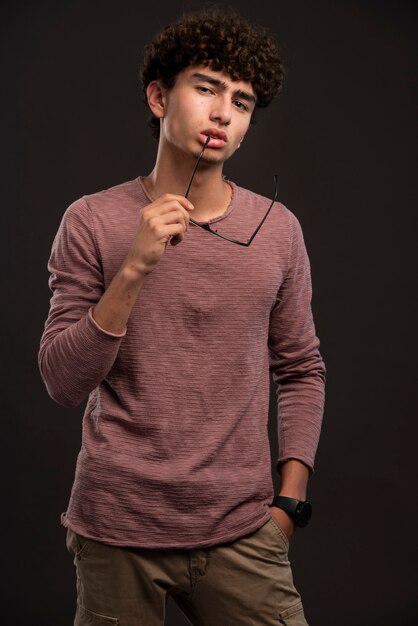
342, 139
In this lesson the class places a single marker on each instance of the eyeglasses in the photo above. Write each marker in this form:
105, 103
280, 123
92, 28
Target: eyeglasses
207, 227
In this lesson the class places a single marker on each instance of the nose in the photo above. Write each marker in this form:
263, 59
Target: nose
221, 111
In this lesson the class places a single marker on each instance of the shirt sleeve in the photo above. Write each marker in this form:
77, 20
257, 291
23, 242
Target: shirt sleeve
295, 361
75, 352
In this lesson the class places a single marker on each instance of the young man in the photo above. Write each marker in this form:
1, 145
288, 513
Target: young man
170, 331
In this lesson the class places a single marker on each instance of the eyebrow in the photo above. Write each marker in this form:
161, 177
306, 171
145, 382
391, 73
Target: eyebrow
239, 93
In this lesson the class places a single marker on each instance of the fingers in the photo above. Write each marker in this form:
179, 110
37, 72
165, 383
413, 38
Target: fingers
167, 203
174, 216
162, 228
170, 197
171, 232
167, 210
166, 219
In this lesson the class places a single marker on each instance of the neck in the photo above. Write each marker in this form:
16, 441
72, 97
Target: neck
209, 194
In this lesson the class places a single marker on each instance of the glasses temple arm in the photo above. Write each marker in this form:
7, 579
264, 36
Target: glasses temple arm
276, 189
195, 167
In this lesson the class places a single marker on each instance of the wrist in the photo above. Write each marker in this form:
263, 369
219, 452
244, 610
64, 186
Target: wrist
299, 511
295, 493
133, 273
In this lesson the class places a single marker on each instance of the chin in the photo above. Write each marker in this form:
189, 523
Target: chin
211, 159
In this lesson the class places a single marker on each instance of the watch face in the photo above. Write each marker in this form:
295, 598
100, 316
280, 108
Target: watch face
303, 513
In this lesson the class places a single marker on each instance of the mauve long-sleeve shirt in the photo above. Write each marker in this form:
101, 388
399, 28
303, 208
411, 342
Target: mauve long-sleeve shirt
175, 450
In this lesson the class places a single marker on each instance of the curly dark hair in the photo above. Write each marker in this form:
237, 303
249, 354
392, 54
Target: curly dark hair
221, 40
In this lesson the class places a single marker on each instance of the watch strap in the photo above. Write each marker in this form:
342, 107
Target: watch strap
299, 510
287, 504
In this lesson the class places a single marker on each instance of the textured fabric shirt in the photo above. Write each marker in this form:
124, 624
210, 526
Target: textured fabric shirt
175, 450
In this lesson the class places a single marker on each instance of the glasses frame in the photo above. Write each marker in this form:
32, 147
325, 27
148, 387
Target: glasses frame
205, 225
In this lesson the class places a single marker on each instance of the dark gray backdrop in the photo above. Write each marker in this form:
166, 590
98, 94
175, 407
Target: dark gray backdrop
341, 137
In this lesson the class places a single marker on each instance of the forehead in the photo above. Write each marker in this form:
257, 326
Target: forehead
192, 73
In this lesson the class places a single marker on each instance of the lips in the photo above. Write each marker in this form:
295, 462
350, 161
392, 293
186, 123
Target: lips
215, 133
217, 138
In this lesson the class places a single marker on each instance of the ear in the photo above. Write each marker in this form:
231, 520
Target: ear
156, 98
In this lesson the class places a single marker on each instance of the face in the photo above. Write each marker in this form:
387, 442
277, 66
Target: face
206, 103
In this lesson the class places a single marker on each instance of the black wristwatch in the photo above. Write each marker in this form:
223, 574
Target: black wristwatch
299, 510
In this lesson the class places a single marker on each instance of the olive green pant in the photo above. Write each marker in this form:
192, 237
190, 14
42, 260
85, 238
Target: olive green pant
246, 582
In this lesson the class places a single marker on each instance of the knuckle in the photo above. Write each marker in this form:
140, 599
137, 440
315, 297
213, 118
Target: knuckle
155, 227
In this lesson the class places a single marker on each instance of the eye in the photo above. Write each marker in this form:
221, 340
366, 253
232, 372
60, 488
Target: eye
241, 105
203, 89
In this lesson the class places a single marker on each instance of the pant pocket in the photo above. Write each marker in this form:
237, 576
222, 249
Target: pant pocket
76, 544
293, 616
84, 617
284, 538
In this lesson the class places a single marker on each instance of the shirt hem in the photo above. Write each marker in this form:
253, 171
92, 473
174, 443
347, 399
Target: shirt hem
212, 542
